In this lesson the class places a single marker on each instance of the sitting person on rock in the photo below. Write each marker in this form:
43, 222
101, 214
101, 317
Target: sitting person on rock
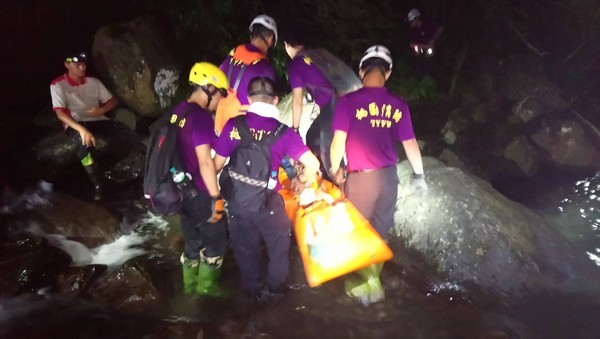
81, 104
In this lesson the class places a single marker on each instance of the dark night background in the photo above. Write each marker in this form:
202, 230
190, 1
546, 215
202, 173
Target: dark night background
563, 35
491, 58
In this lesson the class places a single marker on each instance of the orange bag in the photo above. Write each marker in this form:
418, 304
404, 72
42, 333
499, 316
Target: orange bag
230, 106
335, 239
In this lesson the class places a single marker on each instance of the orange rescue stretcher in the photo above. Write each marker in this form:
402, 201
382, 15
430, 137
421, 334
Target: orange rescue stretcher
333, 237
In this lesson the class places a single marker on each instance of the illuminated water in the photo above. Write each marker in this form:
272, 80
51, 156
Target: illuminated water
415, 306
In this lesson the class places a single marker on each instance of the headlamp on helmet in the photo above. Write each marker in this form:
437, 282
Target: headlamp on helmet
79, 57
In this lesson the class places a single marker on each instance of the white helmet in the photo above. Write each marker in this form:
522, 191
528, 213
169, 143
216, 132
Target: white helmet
413, 14
266, 21
377, 51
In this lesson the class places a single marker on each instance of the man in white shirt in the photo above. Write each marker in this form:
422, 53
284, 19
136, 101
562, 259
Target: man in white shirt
81, 103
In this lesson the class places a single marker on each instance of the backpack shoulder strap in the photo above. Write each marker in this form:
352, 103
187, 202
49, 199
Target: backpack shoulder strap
238, 78
242, 126
271, 138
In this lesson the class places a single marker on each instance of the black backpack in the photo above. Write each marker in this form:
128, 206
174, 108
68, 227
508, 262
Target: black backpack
244, 181
161, 192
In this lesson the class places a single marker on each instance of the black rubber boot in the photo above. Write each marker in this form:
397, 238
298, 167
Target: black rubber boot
95, 177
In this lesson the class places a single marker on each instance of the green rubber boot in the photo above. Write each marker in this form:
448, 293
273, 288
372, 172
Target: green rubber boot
367, 288
190, 274
209, 272
371, 275
357, 289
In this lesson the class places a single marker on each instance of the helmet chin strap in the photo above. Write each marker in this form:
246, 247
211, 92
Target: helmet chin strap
209, 94
266, 42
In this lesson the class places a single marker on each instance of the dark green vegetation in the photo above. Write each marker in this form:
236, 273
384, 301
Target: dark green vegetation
561, 37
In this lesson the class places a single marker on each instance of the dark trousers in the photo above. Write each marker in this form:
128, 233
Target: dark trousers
320, 135
120, 134
198, 233
247, 229
374, 194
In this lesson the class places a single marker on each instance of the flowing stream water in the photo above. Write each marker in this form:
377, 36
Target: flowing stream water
415, 306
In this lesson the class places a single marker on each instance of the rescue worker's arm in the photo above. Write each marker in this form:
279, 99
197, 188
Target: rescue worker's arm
219, 162
105, 107
311, 167
337, 151
297, 103
413, 154
64, 115
207, 169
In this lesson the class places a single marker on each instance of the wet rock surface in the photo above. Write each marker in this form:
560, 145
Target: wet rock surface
132, 56
472, 233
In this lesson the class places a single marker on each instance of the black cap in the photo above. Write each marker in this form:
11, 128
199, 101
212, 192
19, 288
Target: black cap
76, 57
294, 36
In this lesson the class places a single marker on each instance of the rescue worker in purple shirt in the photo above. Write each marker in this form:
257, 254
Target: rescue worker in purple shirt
367, 123
304, 74
248, 61
423, 33
203, 227
272, 224
263, 37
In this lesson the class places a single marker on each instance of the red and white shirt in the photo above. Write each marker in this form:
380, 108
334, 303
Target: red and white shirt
78, 98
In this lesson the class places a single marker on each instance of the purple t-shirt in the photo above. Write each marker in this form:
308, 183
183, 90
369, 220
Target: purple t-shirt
374, 119
424, 34
199, 129
263, 68
289, 143
305, 74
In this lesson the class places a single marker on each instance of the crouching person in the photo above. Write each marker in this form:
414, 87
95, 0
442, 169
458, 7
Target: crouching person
203, 227
256, 145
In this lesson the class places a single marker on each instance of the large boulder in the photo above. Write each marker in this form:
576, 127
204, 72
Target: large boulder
88, 223
54, 213
523, 154
135, 57
567, 142
128, 289
473, 234
120, 154
27, 262
515, 122
58, 148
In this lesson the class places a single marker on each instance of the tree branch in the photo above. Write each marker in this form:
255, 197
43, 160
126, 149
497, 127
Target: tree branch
524, 40
576, 50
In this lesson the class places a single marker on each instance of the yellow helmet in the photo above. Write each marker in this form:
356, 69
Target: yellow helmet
205, 73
